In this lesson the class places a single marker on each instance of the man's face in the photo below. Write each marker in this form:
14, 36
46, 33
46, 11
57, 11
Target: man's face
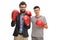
37, 10
22, 8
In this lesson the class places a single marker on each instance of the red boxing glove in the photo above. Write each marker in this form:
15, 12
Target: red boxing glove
40, 23
26, 19
14, 13
28, 13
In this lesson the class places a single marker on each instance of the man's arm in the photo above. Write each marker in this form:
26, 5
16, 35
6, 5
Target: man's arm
29, 25
28, 13
13, 23
14, 14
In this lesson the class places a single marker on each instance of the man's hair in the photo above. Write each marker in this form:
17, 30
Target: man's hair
36, 7
22, 3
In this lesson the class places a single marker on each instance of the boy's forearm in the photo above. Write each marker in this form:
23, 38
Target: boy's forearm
46, 26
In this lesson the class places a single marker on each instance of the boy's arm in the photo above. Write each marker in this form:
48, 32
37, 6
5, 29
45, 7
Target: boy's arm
45, 22
46, 26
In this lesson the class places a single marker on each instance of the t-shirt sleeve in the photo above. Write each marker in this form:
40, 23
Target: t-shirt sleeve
31, 19
45, 22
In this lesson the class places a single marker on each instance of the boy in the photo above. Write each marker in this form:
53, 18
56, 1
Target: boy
38, 24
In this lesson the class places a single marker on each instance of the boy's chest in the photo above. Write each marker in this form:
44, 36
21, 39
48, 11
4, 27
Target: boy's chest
34, 19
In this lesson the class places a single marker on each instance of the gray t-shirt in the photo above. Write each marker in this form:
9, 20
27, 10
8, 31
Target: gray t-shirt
36, 30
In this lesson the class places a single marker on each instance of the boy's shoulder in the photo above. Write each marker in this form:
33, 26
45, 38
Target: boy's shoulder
32, 16
42, 16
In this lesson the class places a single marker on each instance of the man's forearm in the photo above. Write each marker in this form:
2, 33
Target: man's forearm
13, 23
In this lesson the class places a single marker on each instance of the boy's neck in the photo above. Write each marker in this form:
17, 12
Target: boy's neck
37, 15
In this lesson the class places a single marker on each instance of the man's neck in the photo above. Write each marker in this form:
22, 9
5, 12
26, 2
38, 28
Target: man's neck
22, 11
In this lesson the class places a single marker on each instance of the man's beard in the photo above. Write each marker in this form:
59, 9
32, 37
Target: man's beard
22, 11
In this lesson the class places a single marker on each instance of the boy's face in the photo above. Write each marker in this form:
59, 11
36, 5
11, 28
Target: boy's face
37, 11
23, 8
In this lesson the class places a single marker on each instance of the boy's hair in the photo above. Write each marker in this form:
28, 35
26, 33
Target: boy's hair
22, 3
36, 7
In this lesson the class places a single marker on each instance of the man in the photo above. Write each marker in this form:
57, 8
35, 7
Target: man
22, 21
38, 24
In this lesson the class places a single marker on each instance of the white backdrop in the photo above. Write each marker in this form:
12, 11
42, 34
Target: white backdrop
49, 8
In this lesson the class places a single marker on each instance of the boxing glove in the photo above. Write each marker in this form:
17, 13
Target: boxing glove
26, 19
40, 23
28, 13
14, 13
